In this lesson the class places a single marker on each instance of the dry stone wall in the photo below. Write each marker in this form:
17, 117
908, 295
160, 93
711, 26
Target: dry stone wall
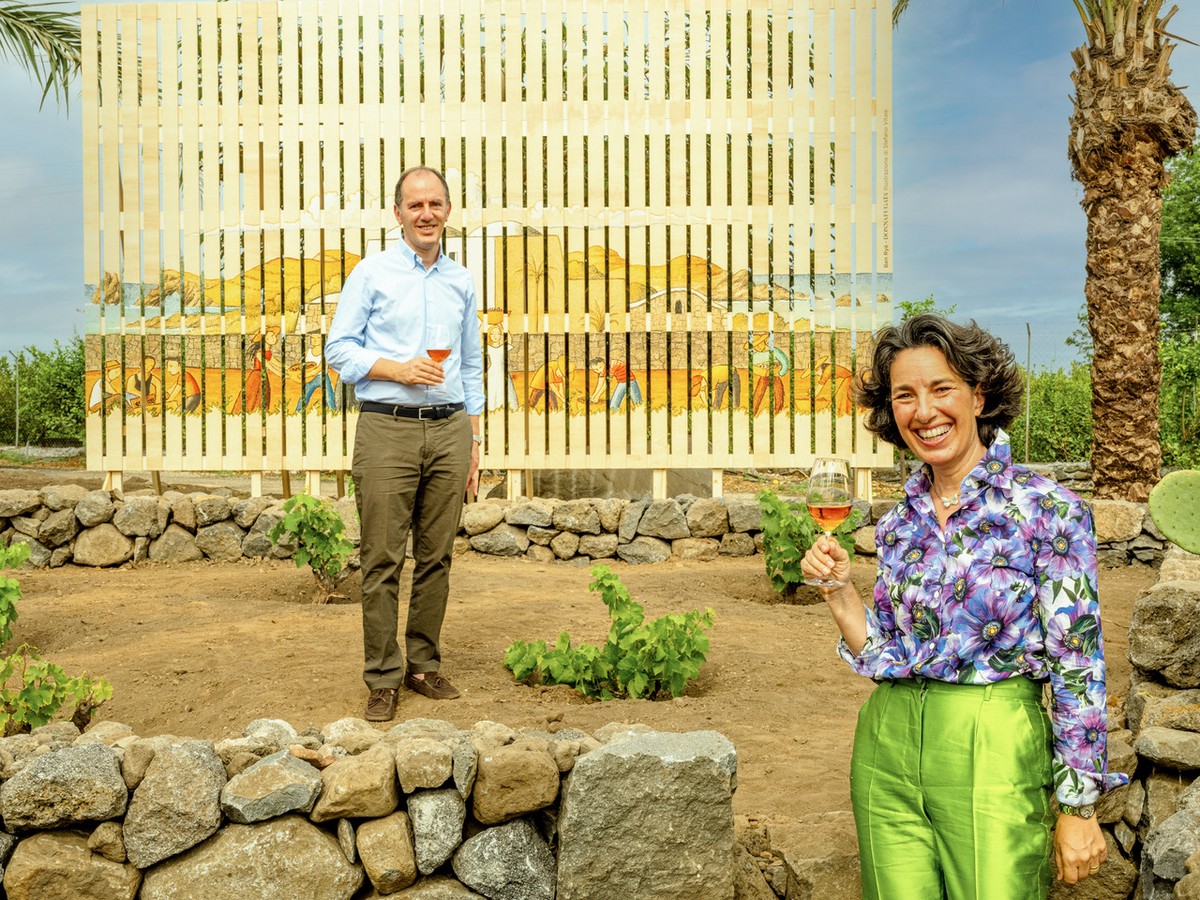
423, 811
70, 524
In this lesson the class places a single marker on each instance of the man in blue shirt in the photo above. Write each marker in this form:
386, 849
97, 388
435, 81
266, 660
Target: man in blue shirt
416, 448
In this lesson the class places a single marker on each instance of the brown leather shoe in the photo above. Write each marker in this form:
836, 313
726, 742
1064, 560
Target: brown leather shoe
381, 705
433, 686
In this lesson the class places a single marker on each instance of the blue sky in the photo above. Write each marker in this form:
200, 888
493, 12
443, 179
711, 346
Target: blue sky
986, 215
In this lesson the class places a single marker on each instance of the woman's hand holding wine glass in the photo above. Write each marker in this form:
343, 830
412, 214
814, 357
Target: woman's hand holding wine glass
829, 497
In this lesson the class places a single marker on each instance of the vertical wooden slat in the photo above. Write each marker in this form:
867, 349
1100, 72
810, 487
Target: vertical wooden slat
92, 204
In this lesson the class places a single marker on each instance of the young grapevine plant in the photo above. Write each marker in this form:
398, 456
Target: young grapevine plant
321, 543
32, 689
642, 660
787, 532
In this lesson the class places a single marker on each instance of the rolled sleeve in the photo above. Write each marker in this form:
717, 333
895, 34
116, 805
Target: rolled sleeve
472, 356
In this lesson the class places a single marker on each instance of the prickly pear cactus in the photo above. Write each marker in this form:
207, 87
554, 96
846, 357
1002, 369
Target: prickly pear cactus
1175, 508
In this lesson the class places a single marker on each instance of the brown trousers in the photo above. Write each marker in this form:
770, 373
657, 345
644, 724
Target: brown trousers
408, 474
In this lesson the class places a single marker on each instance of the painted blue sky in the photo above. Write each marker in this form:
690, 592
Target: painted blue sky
986, 215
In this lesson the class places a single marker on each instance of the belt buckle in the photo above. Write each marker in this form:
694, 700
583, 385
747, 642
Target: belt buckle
421, 410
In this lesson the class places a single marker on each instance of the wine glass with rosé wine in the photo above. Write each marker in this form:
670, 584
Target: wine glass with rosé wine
437, 348
829, 496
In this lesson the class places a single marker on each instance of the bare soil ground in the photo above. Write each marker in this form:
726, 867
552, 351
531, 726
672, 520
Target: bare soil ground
204, 648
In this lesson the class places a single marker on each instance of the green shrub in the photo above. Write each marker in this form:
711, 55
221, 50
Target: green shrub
651, 660
787, 533
32, 689
1060, 412
320, 538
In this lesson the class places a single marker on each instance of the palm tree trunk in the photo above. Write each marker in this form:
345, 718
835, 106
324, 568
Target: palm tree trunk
1128, 119
1123, 201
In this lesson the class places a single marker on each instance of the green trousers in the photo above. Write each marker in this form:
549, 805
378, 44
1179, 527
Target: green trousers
951, 788
409, 474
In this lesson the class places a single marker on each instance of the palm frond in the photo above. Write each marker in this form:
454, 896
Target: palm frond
898, 8
45, 41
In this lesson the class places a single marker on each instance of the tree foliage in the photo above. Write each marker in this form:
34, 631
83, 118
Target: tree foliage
45, 41
49, 387
1180, 248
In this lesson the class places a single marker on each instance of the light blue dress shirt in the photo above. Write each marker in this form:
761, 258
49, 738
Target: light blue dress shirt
386, 305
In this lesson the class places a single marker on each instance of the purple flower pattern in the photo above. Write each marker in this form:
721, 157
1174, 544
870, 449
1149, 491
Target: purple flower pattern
1008, 588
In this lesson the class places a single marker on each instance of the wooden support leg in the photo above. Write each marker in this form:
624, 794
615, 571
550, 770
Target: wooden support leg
112, 481
312, 483
285, 478
256, 484
863, 485
156, 480
341, 483
659, 484
718, 482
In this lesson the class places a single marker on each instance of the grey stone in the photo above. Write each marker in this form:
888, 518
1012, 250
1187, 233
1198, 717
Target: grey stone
1179, 565
509, 862
664, 519
273, 786
437, 819
285, 857
359, 787
246, 512
278, 732
183, 512
347, 840
708, 517
864, 541
465, 766
609, 509
679, 790
820, 856
576, 516
1142, 688
56, 497
39, 553
480, 517
1117, 520
1178, 709
631, 519
59, 866
1162, 800
108, 840
102, 545
540, 554
1168, 846
107, 733
30, 526
65, 787
565, 545
351, 734
175, 545
95, 508
60, 556
748, 880
142, 517
696, 548
211, 509
177, 804
385, 847
503, 540
422, 763
437, 887
744, 514
737, 544
538, 511
18, 502
644, 550
1169, 747
597, 546
141, 550
58, 528
256, 545
222, 541
1164, 634
541, 536
513, 781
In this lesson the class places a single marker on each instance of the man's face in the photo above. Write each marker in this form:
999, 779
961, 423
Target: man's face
423, 211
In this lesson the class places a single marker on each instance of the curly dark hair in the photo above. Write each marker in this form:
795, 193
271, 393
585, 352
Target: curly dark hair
978, 358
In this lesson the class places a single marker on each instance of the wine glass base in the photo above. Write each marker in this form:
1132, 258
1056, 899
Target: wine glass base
824, 582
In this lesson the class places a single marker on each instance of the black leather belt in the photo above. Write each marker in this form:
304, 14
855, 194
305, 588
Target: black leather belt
443, 411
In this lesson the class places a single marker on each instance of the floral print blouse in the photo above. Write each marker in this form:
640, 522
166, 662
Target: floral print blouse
1008, 588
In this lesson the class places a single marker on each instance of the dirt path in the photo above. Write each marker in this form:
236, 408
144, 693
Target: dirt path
202, 649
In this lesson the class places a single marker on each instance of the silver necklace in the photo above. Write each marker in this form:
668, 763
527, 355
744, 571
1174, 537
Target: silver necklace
950, 501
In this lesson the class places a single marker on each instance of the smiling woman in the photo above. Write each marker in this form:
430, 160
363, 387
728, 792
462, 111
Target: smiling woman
986, 591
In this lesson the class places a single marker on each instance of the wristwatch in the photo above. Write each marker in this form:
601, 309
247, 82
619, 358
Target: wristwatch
1086, 811
477, 438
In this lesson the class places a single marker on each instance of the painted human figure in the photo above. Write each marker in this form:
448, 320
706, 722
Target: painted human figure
182, 392
626, 386
500, 388
315, 376
768, 364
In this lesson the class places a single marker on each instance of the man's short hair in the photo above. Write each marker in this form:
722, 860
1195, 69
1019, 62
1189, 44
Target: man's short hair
414, 169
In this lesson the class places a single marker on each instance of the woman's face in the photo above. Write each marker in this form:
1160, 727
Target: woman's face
935, 411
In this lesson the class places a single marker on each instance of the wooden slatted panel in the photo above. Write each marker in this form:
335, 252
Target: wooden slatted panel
573, 209
91, 197
110, 258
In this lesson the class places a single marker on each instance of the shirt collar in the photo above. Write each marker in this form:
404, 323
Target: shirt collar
408, 253
995, 469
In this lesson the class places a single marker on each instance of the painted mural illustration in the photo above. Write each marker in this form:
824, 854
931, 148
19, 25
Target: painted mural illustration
758, 350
